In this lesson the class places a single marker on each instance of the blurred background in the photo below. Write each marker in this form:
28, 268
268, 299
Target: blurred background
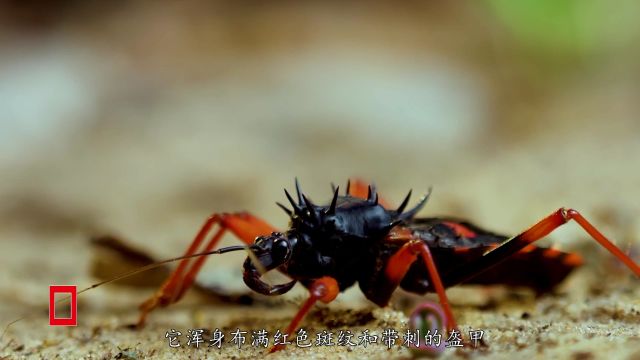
140, 119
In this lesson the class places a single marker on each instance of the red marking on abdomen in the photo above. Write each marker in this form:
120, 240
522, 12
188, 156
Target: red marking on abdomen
460, 230
400, 233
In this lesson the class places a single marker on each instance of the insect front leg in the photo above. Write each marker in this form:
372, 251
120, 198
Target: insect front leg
244, 226
325, 289
535, 233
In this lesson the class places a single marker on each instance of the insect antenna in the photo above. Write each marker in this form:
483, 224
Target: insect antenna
333, 187
162, 262
137, 271
348, 186
411, 213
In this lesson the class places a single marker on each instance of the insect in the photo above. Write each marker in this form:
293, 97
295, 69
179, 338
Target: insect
358, 238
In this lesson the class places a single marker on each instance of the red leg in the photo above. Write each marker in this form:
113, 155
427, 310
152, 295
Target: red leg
324, 289
399, 264
243, 225
534, 233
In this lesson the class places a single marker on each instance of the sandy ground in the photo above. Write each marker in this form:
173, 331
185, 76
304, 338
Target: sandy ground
141, 132
594, 314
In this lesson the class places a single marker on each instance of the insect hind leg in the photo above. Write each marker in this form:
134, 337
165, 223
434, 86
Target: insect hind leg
538, 231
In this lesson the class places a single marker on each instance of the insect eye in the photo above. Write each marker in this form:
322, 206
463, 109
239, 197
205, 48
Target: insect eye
280, 248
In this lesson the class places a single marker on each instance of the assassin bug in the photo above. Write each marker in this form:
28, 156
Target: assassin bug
358, 238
